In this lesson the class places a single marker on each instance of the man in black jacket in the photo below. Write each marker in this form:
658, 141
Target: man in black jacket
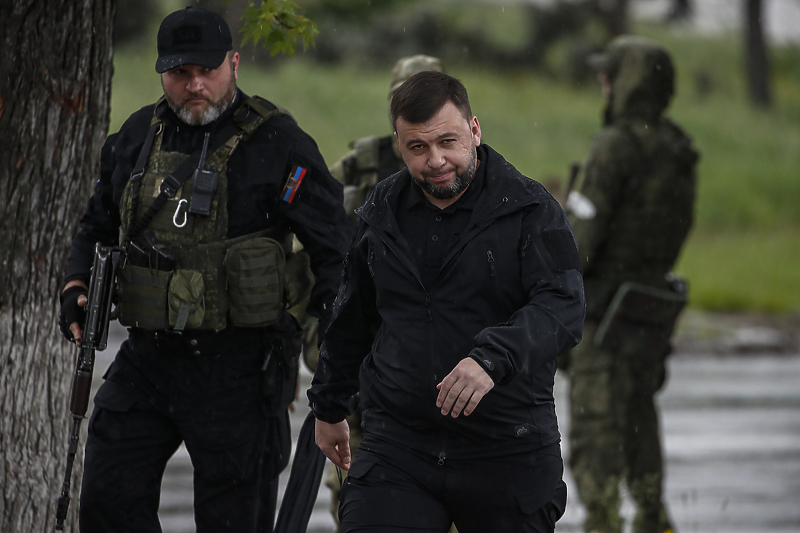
211, 356
461, 287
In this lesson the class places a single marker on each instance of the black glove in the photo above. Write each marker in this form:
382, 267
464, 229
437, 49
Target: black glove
70, 310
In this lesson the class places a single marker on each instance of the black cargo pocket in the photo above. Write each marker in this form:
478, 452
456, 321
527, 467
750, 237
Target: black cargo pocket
143, 297
360, 468
255, 272
546, 489
553, 502
225, 456
111, 399
114, 397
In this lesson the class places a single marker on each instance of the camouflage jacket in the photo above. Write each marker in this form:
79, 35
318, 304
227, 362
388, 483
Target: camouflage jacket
633, 206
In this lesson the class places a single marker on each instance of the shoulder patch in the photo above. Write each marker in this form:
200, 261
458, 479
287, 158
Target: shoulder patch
580, 206
563, 251
293, 183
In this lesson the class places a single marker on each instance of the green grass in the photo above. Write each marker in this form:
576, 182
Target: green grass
745, 248
752, 269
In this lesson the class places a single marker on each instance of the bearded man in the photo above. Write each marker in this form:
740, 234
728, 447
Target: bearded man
211, 356
461, 287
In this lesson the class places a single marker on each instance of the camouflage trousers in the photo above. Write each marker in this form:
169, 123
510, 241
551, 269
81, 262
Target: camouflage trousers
614, 434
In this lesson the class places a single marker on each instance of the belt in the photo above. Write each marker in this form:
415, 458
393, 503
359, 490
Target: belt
199, 343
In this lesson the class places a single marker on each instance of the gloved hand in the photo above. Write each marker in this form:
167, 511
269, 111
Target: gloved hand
71, 310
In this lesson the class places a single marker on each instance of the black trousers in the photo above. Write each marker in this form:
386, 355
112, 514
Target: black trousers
155, 397
392, 489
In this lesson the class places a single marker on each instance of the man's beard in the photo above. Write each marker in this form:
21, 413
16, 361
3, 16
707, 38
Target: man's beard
459, 185
208, 114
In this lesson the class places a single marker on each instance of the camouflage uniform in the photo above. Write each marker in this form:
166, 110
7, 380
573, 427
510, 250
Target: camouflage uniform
630, 214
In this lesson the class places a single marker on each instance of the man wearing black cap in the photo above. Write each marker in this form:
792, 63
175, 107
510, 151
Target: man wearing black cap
204, 190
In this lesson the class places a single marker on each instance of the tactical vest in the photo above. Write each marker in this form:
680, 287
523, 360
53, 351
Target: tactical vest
372, 159
190, 275
653, 218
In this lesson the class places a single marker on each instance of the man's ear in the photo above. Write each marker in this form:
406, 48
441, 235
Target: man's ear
475, 128
235, 65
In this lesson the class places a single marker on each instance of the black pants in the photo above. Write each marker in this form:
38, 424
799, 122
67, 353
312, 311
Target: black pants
392, 490
156, 397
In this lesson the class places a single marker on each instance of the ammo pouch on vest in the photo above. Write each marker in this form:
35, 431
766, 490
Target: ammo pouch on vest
241, 278
641, 319
255, 270
155, 299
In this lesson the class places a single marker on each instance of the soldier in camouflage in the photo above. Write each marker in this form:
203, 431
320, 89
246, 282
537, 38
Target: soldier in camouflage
630, 213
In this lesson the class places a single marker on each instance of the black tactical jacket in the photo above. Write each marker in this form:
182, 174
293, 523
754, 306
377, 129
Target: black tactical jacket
257, 173
509, 294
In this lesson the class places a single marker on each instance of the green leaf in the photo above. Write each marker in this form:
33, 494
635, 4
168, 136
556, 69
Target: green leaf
277, 25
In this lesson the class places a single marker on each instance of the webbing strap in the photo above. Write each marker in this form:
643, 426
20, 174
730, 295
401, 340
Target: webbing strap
260, 281
257, 262
173, 182
255, 299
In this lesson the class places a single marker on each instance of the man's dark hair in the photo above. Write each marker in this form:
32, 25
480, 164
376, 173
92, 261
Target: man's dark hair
422, 96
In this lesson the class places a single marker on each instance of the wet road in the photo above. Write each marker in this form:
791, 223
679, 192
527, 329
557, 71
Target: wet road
731, 433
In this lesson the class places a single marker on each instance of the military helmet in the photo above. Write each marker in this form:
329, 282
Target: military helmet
640, 71
408, 66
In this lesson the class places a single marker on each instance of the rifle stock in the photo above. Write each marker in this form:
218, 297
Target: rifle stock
94, 337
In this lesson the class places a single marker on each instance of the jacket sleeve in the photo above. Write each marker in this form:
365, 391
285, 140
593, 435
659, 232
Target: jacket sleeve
551, 322
349, 338
592, 206
316, 215
100, 222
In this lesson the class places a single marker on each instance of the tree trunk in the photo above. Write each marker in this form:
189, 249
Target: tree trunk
756, 55
680, 10
55, 80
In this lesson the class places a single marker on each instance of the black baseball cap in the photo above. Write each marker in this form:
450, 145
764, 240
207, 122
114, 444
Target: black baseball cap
192, 36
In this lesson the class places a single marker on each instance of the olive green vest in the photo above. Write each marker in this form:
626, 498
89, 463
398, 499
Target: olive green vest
371, 160
192, 276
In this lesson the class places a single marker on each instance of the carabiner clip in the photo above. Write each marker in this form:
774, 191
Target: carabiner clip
177, 212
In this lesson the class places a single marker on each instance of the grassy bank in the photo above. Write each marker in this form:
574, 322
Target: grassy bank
745, 246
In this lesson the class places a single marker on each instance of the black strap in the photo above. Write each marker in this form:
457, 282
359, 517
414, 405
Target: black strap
171, 184
141, 162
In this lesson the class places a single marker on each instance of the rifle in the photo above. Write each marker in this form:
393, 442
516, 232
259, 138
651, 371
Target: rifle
94, 337
574, 168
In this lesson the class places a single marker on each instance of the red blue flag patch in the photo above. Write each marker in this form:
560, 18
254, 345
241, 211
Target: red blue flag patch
293, 183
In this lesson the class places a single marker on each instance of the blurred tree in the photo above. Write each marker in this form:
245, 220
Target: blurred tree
680, 10
131, 17
756, 55
55, 82
615, 14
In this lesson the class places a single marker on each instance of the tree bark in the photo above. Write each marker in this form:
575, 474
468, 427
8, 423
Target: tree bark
756, 55
55, 80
